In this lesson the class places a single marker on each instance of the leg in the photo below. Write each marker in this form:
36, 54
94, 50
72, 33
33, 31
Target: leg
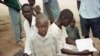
95, 26
15, 16
85, 27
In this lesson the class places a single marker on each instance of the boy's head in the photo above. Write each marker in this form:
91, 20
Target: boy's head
27, 11
72, 24
31, 2
37, 9
42, 24
66, 16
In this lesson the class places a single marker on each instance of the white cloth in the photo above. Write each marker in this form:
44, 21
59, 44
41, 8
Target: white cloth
59, 34
43, 46
90, 9
29, 31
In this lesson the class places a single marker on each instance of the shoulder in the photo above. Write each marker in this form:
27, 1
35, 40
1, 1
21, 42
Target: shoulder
53, 28
76, 27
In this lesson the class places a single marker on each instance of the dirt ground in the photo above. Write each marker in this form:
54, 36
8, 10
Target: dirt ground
8, 47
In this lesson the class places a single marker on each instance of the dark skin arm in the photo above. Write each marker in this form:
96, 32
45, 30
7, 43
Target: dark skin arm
70, 41
49, 12
66, 51
34, 14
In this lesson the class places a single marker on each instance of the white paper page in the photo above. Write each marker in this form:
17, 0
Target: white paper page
85, 44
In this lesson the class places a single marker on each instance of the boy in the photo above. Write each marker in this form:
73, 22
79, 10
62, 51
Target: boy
72, 31
29, 24
58, 30
51, 9
43, 44
36, 9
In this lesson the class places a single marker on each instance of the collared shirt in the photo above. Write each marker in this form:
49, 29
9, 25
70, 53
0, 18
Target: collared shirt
59, 34
54, 7
29, 31
90, 9
43, 46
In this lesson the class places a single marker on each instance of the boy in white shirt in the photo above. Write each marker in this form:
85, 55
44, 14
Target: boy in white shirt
58, 30
42, 43
29, 24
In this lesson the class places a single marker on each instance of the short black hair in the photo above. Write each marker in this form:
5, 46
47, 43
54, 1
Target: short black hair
26, 4
65, 14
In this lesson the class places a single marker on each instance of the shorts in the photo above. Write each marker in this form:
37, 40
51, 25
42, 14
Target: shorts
93, 23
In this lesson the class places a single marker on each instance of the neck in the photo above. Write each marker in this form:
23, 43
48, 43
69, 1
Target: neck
58, 23
30, 21
41, 35
72, 26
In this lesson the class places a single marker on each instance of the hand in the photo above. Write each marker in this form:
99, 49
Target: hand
86, 52
95, 54
24, 54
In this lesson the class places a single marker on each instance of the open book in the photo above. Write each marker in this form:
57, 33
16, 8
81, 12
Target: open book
85, 44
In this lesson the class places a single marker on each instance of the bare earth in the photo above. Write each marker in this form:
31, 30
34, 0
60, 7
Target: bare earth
8, 47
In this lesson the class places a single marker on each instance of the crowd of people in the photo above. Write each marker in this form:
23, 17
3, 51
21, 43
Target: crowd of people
53, 32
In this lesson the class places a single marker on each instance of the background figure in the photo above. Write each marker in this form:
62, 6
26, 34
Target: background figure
14, 10
78, 4
90, 17
73, 31
51, 9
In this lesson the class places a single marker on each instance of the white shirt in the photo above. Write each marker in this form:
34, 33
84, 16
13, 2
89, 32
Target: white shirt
43, 46
59, 34
90, 9
29, 31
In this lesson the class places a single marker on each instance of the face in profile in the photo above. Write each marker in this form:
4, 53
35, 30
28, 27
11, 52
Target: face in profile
66, 22
27, 12
42, 28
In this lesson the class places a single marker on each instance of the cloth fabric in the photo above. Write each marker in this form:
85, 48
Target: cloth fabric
14, 4
54, 7
94, 24
29, 32
43, 46
90, 9
16, 22
73, 32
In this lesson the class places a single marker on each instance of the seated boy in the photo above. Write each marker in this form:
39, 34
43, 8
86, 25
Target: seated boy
58, 30
29, 25
43, 44
72, 31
